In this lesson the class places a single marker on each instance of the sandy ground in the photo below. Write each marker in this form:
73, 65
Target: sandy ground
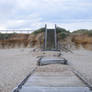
81, 60
15, 65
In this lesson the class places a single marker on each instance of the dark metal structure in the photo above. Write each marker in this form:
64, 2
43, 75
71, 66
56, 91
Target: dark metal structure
50, 39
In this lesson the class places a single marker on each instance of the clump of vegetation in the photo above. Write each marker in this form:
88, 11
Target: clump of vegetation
89, 33
5, 36
38, 31
84, 32
63, 33
81, 31
59, 30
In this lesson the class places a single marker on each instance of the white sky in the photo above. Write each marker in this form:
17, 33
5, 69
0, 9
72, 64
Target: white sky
33, 14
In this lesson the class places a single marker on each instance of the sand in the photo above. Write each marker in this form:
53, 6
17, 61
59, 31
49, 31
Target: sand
15, 65
81, 60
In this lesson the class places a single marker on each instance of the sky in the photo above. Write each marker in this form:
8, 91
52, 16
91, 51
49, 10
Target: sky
33, 14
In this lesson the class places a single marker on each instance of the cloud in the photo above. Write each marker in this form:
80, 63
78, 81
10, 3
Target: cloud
32, 14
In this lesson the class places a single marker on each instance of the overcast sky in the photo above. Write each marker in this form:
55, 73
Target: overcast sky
33, 14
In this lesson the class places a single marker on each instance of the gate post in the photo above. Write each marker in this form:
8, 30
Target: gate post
55, 37
45, 36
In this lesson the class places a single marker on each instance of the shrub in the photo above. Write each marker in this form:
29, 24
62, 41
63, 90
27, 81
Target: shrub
81, 31
59, 30
90, 33
63, 33
84, 31
38, 31
5, 35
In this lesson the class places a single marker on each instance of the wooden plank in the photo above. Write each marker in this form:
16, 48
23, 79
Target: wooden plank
54, 78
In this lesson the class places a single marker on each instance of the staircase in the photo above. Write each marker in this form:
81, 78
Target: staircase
50, 39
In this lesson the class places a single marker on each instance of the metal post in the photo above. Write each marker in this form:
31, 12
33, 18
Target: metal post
55, 37
45, 36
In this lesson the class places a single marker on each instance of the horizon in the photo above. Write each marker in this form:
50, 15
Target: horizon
30, 30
